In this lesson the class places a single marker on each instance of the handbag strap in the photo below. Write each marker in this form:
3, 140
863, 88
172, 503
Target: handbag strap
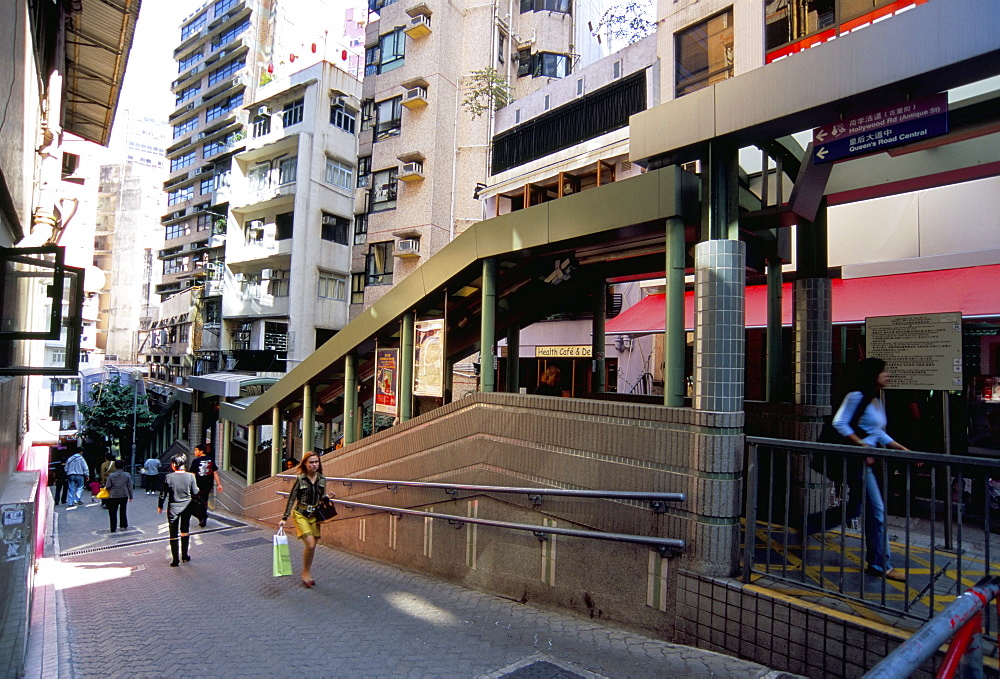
859, 410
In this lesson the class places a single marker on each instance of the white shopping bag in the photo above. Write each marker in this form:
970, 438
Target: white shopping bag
281, 563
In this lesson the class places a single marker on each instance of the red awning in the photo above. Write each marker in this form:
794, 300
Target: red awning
972, 291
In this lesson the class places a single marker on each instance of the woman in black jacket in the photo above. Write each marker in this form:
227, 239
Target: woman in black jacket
303, 497
119, 487
177, 490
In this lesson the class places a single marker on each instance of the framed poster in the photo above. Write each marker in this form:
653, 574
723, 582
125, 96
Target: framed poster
921, 351
386, 381
428, 358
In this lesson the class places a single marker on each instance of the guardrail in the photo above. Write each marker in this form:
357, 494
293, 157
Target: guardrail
665, 546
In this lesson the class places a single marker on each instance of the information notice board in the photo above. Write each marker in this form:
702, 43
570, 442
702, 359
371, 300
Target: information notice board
921, 351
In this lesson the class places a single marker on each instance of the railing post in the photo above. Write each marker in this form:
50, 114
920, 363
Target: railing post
750, 532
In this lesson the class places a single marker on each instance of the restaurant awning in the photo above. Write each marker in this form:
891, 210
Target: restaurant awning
971, 291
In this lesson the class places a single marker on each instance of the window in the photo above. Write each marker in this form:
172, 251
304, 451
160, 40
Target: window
376, 5
360, 229
185, 127
261, 126
704, 54
250, 287
339, 174
258, 177
181, 161
222, 179
291, 114
334, 228
383, 193
331, 286
275, 336
230, 35
392, 45
175, 265
205, 220
616, 69
283, 226
226, 71
214, 147
254, 231
287, 170
364, 170
501, 43
358, 288
277, 283
223, 107
194, 27
367, 114
342, 117
378, 264
787, 22
241, 335
185, 332
388, 117
564, 6
180, 195
223, 6
549, 65
177, 231
205, 187
58, 357
187, 93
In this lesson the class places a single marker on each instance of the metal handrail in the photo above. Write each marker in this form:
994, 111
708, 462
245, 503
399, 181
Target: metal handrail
655, 499
961, 620
665, 546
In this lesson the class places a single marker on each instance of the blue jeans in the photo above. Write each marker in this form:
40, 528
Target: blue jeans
876, 542
75, 482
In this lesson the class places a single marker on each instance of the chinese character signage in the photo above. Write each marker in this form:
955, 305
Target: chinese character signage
921, 351
428, 358
386, 381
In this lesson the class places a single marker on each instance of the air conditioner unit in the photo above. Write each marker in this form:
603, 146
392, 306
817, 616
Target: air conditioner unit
407, 247
240, 277
202, 135
190, 107
263, 111
412, 171
338, 101
415, 97
420, 25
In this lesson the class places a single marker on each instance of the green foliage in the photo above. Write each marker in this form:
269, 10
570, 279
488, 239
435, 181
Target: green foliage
265, 78
110, 418
487, 90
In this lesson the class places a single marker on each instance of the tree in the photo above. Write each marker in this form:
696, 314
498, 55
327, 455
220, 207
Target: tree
487, 91
626, 22
110, 418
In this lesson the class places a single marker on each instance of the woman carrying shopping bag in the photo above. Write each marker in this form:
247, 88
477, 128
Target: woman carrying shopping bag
304, 497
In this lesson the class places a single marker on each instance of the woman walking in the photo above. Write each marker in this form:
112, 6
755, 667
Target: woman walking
303, 497
119, 487
177, 490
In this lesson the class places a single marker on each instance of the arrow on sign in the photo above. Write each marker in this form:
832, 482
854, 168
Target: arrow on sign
821, 154
821, 135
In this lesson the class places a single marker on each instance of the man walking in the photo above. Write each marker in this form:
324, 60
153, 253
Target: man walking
206, 473
77, 474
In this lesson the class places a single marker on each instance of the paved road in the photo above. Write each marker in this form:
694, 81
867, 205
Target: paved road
110, 606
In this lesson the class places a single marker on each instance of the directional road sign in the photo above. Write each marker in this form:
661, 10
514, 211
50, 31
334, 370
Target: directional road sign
882, 129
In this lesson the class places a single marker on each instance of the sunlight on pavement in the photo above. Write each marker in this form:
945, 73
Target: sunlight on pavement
66, 574
420, 608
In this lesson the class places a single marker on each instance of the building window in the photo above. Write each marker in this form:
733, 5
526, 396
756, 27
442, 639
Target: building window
367, 114
250, 287
205, 219
223, 6
383, 193
283, 226
261, 126
334, 228
392, 46
257, 178
230, 35
177, 231
331, 286
287, 170
787, 22
187, 93
277, 283
175, 265
342, 117
205, 187
378, 264
241, 335
185, 332
185, 127
254, 231
360, 229
339, 174
194, 27
226, 71
376, 5
364, 170
358, 288
548, 65
501, 43
275, 336
180, 195
388, 117
564, 6
223, 107
182, 161
291, 113
58, 356
704, 54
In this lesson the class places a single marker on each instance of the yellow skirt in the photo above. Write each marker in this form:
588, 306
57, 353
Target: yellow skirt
305, 526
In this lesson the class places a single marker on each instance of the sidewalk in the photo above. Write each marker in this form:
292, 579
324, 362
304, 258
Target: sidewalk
110, 606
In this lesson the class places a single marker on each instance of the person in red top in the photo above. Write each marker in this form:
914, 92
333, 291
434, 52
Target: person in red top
206, 473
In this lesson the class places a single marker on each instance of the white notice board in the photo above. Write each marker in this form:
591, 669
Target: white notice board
922, 351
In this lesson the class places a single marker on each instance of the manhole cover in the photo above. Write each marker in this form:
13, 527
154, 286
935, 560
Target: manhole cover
243, 544
541, 669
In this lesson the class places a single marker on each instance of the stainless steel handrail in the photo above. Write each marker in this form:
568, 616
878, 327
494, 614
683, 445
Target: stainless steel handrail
665, 546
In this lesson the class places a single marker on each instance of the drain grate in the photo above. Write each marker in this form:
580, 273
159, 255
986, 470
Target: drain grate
542, 669
243, 544
133, 543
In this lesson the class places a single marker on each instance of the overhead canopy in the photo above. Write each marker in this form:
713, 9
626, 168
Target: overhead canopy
971, 291
98, 40
229, 385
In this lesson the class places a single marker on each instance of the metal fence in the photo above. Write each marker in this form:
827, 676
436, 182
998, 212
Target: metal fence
803, 527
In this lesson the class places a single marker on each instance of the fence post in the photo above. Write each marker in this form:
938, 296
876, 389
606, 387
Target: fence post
750, 531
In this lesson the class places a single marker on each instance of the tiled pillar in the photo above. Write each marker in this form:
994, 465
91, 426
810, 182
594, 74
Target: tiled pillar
812, 326
195, 434
719, 282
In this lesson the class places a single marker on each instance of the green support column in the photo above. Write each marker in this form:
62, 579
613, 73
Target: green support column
275, 441
227, 439
308, 419
811, 245
774, 294
598, 344
674, 386
513, 359
720, 192
406, 368
351, 398
251, 453
487, 339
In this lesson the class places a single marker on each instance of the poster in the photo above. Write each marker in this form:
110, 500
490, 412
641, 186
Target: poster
386, 381
921, 351
428, 358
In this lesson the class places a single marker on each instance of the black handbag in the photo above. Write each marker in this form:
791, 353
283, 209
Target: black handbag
831, 465
325, 511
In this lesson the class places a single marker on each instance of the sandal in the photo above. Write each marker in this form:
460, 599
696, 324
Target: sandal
308, 583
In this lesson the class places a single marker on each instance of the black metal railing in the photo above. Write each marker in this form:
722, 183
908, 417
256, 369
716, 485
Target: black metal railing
804, 527
657, 502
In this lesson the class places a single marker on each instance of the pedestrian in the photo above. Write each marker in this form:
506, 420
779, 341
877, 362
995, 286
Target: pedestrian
303, 497
151, 475
77, 474
178, 489
861, 421
550, 382
119, 487
107, 467
206, 474
62, 483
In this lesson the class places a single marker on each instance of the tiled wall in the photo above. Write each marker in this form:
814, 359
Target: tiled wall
719, 280
812, 327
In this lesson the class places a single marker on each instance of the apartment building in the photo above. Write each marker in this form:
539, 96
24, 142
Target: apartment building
288, 246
